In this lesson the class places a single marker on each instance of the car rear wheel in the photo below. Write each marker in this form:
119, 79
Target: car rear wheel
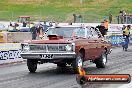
101, 62
78, 62
32, 65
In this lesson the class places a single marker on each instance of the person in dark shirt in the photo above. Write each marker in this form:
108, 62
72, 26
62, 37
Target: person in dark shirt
110, 18
24, 24
101, 28
45, 27
34, 31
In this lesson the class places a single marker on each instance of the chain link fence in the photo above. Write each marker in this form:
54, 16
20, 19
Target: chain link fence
62, 17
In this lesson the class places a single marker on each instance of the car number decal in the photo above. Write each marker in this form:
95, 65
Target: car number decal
47, 56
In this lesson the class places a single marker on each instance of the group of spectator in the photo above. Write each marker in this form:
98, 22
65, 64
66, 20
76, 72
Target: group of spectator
122, 18
13, 27
38, 31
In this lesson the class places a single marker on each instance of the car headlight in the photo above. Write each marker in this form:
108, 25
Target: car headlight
68, 48
25, 47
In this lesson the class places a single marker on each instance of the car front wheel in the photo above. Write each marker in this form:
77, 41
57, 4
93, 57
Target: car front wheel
32, 65
78, 62
101, 62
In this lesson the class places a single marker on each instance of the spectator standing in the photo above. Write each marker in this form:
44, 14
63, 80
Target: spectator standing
126, 34
15, 27
124, 16
41, 31
74, 18
34, 31
121, 16
45, 27
118, 19
24, 24
110, 18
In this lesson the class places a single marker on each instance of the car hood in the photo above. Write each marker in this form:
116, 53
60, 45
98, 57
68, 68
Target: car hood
47, 41
52, 39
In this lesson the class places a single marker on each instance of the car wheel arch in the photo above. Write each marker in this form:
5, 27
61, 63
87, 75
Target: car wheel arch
105, 48
82, 51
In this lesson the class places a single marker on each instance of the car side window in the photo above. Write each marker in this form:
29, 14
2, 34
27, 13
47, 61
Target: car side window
89, 33
80, 32
94, 33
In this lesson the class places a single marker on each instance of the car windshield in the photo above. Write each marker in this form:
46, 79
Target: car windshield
67, 32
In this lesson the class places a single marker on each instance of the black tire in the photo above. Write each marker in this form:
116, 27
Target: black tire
101, 62
32, 65
78, 62
61, 64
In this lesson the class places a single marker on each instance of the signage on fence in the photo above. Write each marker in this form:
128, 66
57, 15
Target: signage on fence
10, 52
117, 39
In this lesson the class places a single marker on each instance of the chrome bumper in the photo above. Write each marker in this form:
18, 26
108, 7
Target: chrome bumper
48, 55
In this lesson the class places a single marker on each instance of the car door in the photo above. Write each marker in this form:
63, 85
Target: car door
91, 45
98, 43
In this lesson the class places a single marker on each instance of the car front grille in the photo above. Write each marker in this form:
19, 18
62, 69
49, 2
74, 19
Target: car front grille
48, 47
37, 47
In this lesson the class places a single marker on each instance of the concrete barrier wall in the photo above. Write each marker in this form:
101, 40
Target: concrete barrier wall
12, 37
